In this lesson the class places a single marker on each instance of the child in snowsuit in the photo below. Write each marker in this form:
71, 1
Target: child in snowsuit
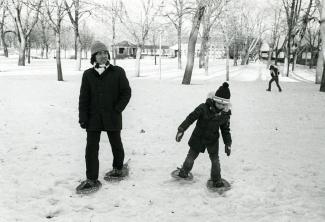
275, 77
211, 115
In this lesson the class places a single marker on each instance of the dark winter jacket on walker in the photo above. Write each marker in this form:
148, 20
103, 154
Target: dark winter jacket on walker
206, 132
103, 98
274, 78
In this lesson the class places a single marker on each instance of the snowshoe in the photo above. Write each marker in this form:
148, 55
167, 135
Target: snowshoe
180, 174
117, 175
88, 186
218, 186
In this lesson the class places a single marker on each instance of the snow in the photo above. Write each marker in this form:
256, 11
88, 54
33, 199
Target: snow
276, 167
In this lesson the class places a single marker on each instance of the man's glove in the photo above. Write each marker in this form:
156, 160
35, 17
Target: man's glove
227, 150
83, 125
179, 135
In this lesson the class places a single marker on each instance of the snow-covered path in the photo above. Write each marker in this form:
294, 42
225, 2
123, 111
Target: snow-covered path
276, 168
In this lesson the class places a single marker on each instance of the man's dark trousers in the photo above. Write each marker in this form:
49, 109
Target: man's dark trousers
92, 163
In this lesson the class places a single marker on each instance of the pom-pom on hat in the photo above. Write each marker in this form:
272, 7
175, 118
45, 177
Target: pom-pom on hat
222, 95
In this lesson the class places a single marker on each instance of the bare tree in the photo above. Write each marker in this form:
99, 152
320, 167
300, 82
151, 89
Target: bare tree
113, 11
300, 31
66, 40
228, 37
273, 42
25, 15
139, 27
76, 9
110, 12
228, 29
180, 8
254, 29
86, 38
312, 43
45, 34
292, 14
154, 35
3, 32
212, 13
320, 59
231, 27
56, 11
196, 22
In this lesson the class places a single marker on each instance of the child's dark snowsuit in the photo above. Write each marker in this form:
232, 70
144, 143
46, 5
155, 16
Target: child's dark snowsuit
206, 135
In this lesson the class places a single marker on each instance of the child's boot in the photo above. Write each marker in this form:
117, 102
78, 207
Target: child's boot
182, 173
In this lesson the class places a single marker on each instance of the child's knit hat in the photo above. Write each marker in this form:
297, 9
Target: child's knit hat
222, 95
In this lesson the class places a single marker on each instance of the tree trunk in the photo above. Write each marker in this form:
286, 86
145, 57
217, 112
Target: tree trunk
2, 34
235, 54
285, 66
311, 61
113, 34
322, 84
47, 52
319, 67
244, 53
58, 56
3, 41
79, 54
227, 62
4, 45
179, 42
276, 55
249, 51
294, 61
246, 59
154, 48
206, 63
42, 51
22, 49
201, 56
287, 58
203, 44
28, 50
191, 44
322, 32
76, 42
269, 57
137, 61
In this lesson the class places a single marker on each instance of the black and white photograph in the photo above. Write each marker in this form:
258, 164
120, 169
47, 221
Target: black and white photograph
162, 110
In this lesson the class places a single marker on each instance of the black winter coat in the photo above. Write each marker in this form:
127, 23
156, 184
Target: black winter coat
206, 132
103, 98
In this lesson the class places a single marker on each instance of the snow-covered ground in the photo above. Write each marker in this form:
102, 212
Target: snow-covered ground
276, 167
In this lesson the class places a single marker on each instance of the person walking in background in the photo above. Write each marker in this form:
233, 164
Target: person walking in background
104, 94
274, 78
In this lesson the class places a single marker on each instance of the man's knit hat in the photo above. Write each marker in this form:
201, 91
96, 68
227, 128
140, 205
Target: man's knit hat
222, 95
98, 46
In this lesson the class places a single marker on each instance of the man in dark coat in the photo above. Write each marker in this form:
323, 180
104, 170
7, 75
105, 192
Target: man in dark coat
104, 94
211, 115
274, 78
